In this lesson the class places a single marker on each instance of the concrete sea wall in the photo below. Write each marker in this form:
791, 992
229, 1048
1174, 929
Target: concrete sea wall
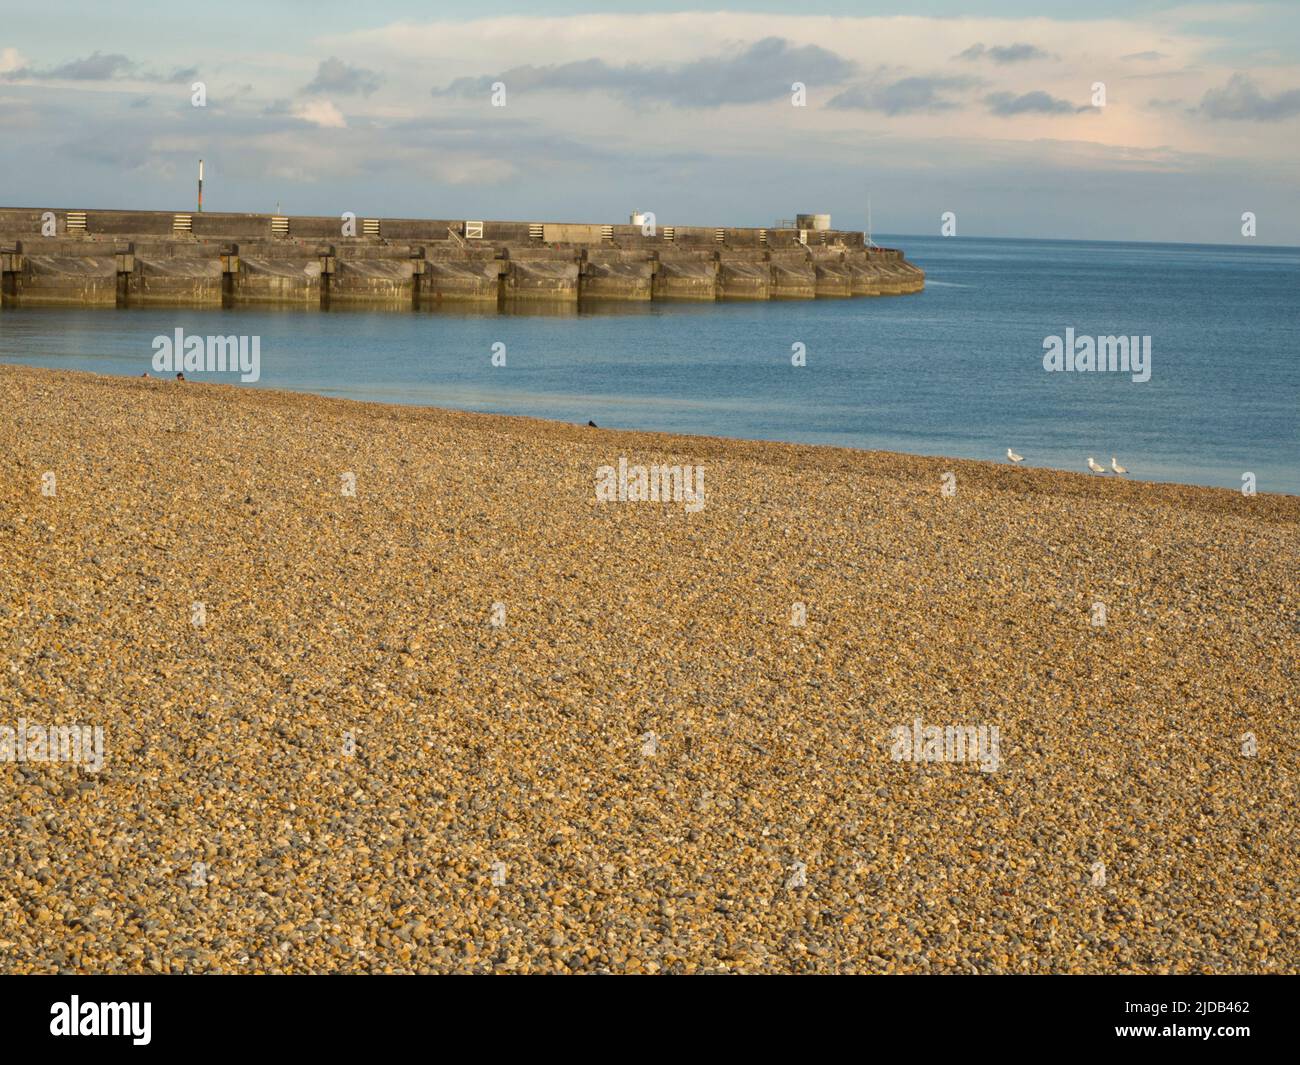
142, 258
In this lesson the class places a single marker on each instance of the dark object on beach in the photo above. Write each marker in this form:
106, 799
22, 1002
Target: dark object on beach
145, 374
180, 377
593, 425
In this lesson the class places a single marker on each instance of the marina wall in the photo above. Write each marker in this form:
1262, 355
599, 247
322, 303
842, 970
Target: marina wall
142, 258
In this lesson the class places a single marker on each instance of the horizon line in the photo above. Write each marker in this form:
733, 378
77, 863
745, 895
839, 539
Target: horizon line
882, 233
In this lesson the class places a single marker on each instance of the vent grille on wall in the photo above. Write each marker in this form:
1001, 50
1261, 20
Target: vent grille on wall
182, 223
279, 225
606, 232
669, 233
536, 231
370, 227
719, 235
76, 222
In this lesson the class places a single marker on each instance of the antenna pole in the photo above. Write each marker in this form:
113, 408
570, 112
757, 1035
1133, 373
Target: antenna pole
200, 186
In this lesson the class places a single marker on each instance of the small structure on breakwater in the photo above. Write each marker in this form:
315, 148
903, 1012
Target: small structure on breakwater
140, 258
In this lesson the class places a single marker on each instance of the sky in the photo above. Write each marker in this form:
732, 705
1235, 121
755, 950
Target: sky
1136, 120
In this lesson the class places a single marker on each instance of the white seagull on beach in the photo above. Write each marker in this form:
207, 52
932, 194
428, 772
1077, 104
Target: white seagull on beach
1014, 457
1116, 466
1092, 465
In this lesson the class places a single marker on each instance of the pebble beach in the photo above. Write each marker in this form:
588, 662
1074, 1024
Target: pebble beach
390, 689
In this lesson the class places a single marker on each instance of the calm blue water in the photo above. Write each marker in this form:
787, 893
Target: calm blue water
955, 371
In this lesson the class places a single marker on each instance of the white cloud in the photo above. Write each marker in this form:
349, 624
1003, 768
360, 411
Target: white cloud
11, 59
320, 113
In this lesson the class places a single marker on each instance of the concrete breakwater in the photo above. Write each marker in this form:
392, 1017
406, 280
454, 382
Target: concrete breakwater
144, 258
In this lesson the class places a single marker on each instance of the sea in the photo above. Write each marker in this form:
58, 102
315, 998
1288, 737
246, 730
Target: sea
957, 370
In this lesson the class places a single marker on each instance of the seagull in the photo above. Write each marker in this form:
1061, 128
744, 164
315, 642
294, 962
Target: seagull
1092, 465
592, 425
1014, 457
1116, 466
